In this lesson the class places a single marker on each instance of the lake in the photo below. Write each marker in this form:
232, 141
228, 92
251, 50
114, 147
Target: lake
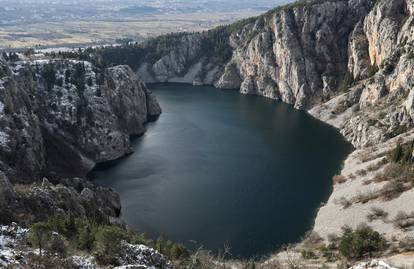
223, 169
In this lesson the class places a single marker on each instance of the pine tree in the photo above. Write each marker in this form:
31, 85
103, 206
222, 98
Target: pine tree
86, 237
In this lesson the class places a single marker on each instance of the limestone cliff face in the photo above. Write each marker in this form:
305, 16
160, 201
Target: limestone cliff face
58, 119
374, 113
68, 124
300, 57
296, 54
379, 103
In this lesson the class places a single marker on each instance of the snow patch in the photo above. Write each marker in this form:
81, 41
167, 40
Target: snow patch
374, 264
4, 139
84, 262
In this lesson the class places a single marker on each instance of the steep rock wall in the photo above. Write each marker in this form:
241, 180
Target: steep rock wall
58, 119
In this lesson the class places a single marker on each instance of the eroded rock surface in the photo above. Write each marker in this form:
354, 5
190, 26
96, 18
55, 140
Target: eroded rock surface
58, 119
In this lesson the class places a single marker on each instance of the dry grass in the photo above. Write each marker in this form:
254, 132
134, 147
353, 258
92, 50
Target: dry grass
96, 32
377, 165
339, 179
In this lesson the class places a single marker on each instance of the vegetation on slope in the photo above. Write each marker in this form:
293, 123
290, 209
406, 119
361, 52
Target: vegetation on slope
60, 236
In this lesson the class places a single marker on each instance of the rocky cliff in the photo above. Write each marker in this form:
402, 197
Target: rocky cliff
296, 54
58, 119
304, 54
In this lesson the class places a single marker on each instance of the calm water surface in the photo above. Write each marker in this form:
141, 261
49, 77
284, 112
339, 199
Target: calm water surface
223, 168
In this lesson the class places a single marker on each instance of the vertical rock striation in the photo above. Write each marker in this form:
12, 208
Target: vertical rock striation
58, 119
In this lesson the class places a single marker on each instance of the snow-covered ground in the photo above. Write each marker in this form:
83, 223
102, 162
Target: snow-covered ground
10, 237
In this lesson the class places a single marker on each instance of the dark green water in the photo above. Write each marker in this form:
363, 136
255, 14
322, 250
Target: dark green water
223, 168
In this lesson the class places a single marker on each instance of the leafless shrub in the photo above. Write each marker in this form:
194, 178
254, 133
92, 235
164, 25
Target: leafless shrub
203, 259
368, 156
403, 220
393, 189
361, 172
366, 197
378, 165
312, 239
406, 244
391, 171
333, 238
339, 179
377, 213
344, 202
366, 182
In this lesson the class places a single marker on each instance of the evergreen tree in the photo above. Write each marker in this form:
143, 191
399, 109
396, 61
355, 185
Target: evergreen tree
86, 237
39, 235
49, 74
67, 76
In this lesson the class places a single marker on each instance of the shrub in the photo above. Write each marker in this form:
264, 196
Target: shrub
403, 220
56, 245
393, 189
378, 165
376, 213
56, 233
372, 70
366, 197
345, 202
397, 153
86, 236
178, 251
361, 242
49, 75
348, 81
361, 172
108, 244
39, 235
308, 254
89, 81
339, 179
78, 78
329, 253
406, 244
65, 226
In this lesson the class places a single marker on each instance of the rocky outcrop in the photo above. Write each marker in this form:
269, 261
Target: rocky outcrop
377, 106
62, 117
77, 197
59, 118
